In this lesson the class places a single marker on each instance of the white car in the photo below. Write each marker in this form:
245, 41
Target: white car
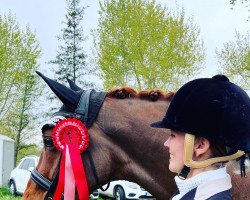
122, 190
20, 176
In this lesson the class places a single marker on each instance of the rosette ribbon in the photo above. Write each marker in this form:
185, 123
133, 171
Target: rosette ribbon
70, 136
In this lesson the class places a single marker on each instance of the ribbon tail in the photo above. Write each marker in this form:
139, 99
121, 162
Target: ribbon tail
60, 185
69, 187
79, 173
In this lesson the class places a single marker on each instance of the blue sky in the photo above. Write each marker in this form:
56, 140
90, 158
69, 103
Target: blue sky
216, 20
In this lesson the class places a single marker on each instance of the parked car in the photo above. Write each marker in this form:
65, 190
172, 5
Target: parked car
20, 176
122, 190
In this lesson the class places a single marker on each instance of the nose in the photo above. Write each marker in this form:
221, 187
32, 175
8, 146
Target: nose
167, 142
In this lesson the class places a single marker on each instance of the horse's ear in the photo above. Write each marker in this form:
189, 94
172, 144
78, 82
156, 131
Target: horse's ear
69, 97
73, 86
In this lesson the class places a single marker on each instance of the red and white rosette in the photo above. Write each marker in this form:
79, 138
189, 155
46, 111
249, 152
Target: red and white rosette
71, 137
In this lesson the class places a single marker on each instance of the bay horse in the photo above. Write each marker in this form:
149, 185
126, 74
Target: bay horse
124, 146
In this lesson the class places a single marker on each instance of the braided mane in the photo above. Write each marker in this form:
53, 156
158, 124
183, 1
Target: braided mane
152, 95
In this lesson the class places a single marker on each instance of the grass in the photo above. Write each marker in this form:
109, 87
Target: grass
5, 194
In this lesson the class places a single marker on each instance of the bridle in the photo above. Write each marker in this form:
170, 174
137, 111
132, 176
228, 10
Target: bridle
86, 111
50, 186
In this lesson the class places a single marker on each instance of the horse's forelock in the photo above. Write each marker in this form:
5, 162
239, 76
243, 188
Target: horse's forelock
152, 95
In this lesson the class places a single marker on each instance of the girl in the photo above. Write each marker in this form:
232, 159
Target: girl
209, 120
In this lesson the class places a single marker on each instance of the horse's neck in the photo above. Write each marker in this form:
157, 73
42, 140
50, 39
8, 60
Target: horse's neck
138, 148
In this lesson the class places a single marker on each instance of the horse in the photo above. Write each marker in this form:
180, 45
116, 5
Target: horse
124, 146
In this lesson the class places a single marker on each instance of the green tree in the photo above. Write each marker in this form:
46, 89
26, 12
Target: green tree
71, 59
142, 44
19, 52
234, 60
11, 46
22, 118
20, 122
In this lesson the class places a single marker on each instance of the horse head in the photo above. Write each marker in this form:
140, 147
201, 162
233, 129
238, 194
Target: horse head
122, 143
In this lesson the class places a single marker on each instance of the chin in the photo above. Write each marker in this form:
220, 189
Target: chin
174, 169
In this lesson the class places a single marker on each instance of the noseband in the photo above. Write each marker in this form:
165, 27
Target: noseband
87, 110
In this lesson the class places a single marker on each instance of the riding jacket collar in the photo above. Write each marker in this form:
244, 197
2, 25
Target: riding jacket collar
206, 184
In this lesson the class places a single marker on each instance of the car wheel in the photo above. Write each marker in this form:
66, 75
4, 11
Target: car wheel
119, 193
13, 188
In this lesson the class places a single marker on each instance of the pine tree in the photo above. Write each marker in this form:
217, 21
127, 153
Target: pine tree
71, 58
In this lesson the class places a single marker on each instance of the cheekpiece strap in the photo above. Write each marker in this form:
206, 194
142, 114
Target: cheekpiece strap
242, 165
184, 172
40, 179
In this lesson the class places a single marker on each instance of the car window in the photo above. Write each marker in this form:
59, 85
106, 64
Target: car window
32, 163
25, 164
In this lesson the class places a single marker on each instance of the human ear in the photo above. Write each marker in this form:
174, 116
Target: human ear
201, 147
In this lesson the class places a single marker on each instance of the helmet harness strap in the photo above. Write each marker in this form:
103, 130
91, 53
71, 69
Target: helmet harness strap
190, 163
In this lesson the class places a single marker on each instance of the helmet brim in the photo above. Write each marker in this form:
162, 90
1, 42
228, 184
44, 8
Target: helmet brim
161, 124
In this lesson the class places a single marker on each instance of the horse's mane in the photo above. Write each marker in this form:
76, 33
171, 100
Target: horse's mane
152, 95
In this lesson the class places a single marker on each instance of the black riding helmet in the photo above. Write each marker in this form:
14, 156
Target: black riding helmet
213, 108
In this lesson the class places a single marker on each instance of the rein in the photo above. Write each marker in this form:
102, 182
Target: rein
87, 110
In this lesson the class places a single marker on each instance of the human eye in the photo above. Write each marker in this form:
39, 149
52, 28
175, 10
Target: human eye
172, 135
